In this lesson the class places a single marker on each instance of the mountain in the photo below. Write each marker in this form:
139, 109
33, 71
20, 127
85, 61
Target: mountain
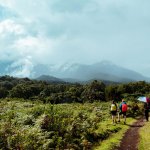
50, 79
68, 72
104, 70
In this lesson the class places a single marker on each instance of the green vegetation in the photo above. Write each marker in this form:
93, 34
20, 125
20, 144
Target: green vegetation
33, 125
54, 93
144, 137
38, 115
28, 125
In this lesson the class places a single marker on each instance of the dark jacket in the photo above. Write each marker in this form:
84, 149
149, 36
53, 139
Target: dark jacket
146, 106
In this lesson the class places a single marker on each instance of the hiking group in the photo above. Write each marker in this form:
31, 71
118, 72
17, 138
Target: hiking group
121, 110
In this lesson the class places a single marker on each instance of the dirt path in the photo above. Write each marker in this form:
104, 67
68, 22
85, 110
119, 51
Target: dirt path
131, 137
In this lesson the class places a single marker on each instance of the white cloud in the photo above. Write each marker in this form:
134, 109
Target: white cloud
41, 49
25, 67
10, 27
10, 32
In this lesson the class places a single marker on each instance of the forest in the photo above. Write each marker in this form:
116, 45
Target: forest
56, 93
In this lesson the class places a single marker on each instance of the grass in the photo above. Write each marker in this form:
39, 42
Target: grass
33, 125
115, 138
145, 137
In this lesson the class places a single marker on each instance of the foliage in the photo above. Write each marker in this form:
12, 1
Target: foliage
56, 93
144, 137
47, 126
33, 125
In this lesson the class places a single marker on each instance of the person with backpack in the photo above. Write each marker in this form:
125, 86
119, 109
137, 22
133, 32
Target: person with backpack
123, 110
146, 110
113, 110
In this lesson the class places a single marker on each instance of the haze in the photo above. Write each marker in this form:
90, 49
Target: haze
76, 31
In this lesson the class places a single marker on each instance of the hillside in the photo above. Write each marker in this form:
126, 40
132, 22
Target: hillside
104, 70
69, 72
50, 79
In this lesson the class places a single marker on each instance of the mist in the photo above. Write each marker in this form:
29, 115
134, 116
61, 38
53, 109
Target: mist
85, 32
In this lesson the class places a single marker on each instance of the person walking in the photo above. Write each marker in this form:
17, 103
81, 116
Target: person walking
113, 110
123, 110
146, 110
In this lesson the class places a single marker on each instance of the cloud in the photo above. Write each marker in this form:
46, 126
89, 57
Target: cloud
39, 48
10, 27
25, 67
84, 31
10, 32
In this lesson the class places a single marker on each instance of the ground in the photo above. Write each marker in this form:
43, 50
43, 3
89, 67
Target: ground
131, 137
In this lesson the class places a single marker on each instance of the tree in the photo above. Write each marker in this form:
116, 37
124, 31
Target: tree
94, 91
21, 91
3, 92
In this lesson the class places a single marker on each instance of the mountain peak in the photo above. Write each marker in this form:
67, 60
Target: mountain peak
104, 70
49, 78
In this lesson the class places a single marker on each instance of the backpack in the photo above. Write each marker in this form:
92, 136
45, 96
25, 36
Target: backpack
113, 107
148, 100
124, 107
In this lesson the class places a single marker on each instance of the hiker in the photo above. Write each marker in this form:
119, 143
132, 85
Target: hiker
146, 110
123, 110
113, 110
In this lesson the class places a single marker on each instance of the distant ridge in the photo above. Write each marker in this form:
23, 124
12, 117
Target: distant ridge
50, 79
68, 72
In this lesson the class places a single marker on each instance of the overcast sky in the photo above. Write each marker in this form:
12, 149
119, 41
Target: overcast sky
80, 31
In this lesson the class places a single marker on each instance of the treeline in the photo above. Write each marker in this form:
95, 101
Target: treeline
61, 93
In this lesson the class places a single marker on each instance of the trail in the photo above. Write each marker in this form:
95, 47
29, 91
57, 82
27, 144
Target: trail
131, 137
